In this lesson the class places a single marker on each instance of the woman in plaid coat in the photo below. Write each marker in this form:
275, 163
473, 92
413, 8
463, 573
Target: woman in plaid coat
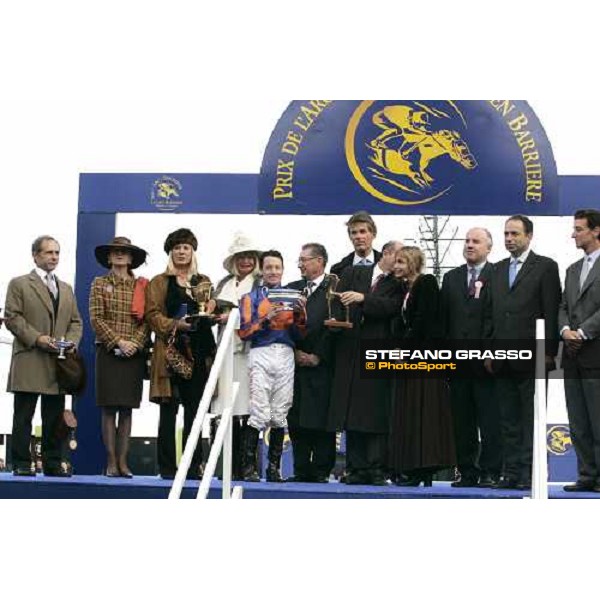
121, 336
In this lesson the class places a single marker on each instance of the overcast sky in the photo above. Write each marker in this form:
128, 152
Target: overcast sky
112, 88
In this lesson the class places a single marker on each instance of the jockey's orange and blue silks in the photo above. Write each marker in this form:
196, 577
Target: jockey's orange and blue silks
286, 327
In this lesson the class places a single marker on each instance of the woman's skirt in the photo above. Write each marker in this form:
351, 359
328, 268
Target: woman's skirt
119, 380
422, 428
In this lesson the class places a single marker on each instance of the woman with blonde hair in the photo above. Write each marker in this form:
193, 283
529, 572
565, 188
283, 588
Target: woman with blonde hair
244, 276
422, 439
168, 298
121, 336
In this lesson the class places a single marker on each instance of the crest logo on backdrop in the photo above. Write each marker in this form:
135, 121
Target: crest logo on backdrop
559, 439
166, 194
409, 157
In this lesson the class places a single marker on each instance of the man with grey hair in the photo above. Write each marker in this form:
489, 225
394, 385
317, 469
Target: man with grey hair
40, 310
314, 446
467, 315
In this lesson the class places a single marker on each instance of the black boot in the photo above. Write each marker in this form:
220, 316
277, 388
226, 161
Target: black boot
275, 451
250, 445
237, 448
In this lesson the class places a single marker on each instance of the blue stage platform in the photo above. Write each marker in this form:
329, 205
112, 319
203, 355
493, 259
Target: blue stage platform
141, 488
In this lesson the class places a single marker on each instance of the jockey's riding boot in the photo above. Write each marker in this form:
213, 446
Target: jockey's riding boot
237, 450
250, 445
275, 451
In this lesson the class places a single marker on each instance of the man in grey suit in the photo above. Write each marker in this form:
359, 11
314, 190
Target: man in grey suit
40, 309
525, 287
579, 322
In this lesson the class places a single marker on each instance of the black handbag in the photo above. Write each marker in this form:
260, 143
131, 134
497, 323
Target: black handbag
71, 374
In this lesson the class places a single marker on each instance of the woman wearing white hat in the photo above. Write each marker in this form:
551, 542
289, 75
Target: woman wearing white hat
244, 276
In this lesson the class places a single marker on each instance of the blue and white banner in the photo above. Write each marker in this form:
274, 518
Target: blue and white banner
409, 157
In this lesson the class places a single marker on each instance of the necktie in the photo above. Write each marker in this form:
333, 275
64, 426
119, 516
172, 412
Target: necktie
310, 286
585, 269
364, 262
51, 285
472, 280
377, 281
512, 272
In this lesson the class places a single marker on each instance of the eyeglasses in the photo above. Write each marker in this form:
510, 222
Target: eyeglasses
302, 259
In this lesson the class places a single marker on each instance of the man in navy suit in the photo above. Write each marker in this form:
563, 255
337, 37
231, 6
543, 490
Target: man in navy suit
361, 231
525, 287
467, 315
579, 322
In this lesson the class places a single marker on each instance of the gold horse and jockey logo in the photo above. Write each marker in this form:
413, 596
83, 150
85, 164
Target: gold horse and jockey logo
559, 439
411, 139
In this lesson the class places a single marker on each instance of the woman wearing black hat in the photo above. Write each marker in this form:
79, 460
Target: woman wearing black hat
168, 296
121, 336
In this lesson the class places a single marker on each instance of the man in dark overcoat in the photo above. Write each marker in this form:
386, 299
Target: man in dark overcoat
313, 445
362, 407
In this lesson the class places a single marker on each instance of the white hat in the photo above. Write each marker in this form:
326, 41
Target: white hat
241, 243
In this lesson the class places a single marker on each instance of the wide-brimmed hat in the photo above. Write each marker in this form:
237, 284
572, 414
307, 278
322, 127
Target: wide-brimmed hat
241, 243
180, 236
138, 255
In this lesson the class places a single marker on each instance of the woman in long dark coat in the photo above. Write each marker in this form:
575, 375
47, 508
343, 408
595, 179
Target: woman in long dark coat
422, 441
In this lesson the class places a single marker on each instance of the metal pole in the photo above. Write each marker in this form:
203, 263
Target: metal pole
225, 388
211, 465
196, 431
539, 483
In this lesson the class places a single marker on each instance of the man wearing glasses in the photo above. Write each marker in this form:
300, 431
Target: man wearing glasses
314, 446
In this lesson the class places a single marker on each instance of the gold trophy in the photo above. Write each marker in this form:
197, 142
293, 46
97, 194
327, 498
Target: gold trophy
201, 294
332, 295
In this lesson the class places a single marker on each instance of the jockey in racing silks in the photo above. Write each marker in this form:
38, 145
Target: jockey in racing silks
272, 333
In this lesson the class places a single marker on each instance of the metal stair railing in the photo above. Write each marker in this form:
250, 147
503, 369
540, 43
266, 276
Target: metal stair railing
539, 479
221, 372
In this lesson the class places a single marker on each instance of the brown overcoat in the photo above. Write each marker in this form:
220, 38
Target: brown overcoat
30, 314
155, 313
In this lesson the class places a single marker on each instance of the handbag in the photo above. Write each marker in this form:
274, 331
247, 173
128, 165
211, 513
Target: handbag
178, 363
70, 373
